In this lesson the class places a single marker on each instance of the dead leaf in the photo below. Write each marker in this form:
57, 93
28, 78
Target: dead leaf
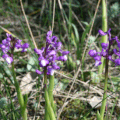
94, 101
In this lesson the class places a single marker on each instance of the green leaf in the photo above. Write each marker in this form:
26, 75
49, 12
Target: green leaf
3, 102
1, 76
98, 116
95, 78
76, 32
91, 40
31, 64
70, 63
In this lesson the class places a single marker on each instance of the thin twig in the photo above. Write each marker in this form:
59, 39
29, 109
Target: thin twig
53, 15
64, 22
28, 24
97, 90
78, 20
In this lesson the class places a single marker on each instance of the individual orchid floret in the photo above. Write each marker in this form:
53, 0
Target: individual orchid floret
102, 33
52, 52
116, 52
104, 53
8, 59
55, 66
43, 62
92, 53
58, 46
48, 55
49, 34
62, 58
104, 45
38, 72
48, 37
9, 44
98, 58
24, 47
105, 33
117, 62
118, 44
65, 52
110, 58
18, 44
97, 63
39, 52
54, 39
116, 38
50, 70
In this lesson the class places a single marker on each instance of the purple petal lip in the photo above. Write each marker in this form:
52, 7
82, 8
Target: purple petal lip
5, 41
38, 72
5, 56
92, 53
3, 46
97, 63
50, 71
25, 45
49, 33
41, 58
43, 62
8, 59
117, 61
8, 39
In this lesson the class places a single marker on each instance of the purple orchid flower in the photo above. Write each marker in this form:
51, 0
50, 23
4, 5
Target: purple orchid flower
49, 55
106, 50
9, 44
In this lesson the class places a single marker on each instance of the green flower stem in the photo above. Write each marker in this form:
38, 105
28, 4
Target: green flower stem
104, 29
19, 95
49, 113
102, 110
25, 100
45, 83
50, 91
49, 108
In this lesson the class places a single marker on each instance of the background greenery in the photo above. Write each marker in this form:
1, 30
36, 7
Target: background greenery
77, 80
